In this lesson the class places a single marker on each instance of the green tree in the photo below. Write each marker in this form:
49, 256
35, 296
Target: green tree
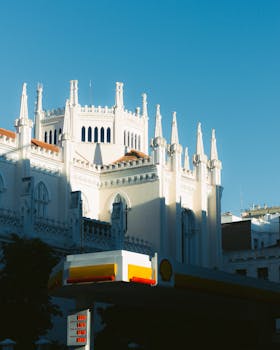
26, 308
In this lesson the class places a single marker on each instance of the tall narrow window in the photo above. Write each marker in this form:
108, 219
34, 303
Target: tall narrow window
60, 131
89, 134
41, 198
188, 236
262, 273
50, 137
95, 134
128, 139
119, 212
135, 141
46, 137
124, 138
1, 184
83, 136
132, 140
102, 135
55, 137
108, 135
139, 143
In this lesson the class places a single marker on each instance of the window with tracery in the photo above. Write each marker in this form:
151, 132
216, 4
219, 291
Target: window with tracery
41, 198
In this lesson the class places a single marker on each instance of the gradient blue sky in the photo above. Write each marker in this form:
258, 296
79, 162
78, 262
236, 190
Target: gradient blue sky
217, 62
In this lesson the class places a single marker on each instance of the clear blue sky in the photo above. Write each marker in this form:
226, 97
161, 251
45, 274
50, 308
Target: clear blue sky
217, 62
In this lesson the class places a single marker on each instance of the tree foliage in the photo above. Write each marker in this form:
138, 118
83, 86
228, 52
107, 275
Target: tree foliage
26, 308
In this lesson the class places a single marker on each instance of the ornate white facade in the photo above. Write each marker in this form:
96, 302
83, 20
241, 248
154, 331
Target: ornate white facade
86, 181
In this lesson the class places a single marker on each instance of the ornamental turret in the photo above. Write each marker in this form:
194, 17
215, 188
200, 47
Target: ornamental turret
39, 113
145, 121
214, 164
158, 143
74, 101
175, 149
119, 96
200, 158
24, 125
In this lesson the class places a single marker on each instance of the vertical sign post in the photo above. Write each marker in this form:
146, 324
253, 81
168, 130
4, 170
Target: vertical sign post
78, 329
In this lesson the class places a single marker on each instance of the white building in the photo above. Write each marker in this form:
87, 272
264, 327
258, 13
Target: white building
86, 181
251, 246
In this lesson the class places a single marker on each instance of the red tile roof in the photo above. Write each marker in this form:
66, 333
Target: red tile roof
131, 155
35, 142
45, 145
7, 133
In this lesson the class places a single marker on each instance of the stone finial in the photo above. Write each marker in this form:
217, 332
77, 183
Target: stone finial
23, 115
39, 101
158, 127
74, 92
119, 95
199, 142
174, 130
213, 151
67, 122
144, 105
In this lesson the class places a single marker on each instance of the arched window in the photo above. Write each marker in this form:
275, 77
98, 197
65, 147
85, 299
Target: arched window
188, 236
55, 137
96, 134
108, 135
46, 137
102, 134
132, 140
119, 212
128, 139
135, 141
89, 134
83, 136
41, 198
139, 143
124, 138
50, 137
60, 131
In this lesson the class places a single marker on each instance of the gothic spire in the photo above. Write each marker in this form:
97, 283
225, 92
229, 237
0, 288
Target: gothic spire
144, 105
119, 95
158, 127
23, 115
73, 92
174, 130
39, 102
213, 151
199, 142
67, 122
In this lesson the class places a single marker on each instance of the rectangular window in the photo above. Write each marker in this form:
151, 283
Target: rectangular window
242, 272
263, 273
